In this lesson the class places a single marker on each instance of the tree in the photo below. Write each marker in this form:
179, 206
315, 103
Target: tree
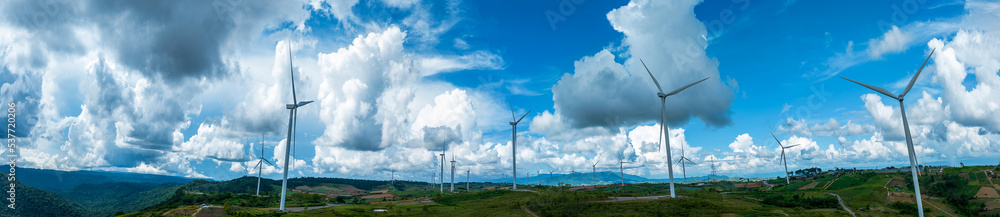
226, 207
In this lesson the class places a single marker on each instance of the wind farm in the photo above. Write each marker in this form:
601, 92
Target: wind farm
178, 108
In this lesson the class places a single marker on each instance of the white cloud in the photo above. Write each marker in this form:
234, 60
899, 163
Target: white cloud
893, 41
670, 39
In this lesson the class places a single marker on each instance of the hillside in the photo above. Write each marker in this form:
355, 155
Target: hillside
31, 201
600, 178
57, 181
106, 199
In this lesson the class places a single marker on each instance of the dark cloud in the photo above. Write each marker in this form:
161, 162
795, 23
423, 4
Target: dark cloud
601, 89
438, 138
366, 137
170, 40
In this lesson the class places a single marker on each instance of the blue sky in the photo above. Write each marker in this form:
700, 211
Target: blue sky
187, 88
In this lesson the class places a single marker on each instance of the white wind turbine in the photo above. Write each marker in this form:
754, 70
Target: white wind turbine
684, 171
513, 141
906, 128
260, 164
442, 172
621, 168
468, 172
452, 173
594, 167
292, 116
665, 130
783, 159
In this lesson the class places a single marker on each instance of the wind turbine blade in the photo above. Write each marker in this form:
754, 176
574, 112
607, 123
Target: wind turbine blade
651, 75
300, 104
511, 111
776, 139
685, 87
295, 121
522, 117
790, 146
663, 123
876, 89
291, 72
914, 79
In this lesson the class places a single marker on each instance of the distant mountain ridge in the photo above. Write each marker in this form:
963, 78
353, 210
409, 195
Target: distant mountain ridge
600, 178
58, 181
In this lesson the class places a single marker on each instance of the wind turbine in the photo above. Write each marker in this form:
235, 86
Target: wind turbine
683, 165
453, 173
513, 140
292, 116
467, 173
621, 169
906, 128
550, 174
594, 166
572, 173
684, 171
783, 159
442, 172
260, 166
663, 123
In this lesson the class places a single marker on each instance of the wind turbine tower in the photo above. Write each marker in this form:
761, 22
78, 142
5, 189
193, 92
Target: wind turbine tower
292, 116
906, 129
621, 168
594, 167
442, 172
663, 123
453, 173
513, 140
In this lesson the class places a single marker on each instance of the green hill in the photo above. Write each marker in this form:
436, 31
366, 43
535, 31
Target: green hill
31, 201
106, 199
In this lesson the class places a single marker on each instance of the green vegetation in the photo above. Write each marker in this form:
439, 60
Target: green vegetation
844, 182
907, 208
34, 202
109, 198
956, 191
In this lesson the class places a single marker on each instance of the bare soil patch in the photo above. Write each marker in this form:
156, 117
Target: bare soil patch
809, 186
987, 192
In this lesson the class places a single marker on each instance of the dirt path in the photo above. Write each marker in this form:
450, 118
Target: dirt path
843, 205
889, 195
988, 177
617, 199
939, 208
525, 208
830, 183
526, 190
769, 186
299, 208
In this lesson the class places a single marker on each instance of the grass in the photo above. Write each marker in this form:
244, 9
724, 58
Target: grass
844, 181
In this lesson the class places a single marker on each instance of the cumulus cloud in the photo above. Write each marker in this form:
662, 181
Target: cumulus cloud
893, 41
653, 31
